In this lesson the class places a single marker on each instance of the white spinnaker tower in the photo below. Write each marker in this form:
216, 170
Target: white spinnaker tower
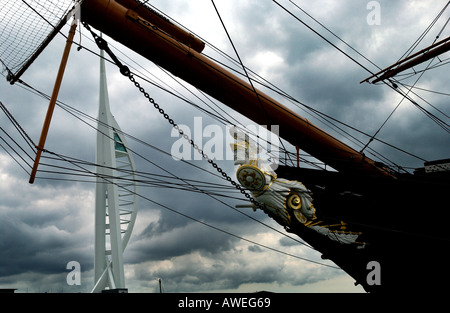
116, 197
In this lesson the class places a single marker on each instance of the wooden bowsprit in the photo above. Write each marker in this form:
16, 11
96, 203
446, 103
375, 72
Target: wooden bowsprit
54, 97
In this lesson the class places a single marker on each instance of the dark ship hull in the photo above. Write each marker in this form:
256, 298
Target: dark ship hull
404, 223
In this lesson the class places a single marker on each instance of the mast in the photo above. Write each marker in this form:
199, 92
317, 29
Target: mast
142, 36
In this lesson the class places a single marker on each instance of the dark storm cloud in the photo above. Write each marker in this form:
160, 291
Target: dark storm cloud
193, 237
228, 270
27, 247
38, 229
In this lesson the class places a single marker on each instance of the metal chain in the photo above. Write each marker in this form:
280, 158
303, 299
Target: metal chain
193, 144
124, 70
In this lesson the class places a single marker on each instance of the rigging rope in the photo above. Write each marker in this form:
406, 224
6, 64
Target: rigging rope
260, 80
405, 95
82, 171
332, 33
28, 140
245, 70
190, 217
146, 159
438, 121
321, 36
126, 72
426, 31
232, 234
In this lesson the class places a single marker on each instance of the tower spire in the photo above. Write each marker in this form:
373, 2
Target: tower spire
115, 203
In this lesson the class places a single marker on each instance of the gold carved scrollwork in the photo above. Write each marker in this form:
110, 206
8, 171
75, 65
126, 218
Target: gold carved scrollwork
294, 202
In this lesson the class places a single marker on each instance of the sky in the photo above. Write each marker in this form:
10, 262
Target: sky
46, 225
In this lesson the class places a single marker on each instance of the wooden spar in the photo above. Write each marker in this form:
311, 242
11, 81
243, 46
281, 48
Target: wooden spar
413, 60
127, 27
51, 105
164, 24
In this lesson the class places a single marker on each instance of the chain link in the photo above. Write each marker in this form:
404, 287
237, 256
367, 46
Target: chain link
193, 144
102, 44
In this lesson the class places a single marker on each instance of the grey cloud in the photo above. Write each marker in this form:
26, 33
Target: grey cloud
228, 269
179, 241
